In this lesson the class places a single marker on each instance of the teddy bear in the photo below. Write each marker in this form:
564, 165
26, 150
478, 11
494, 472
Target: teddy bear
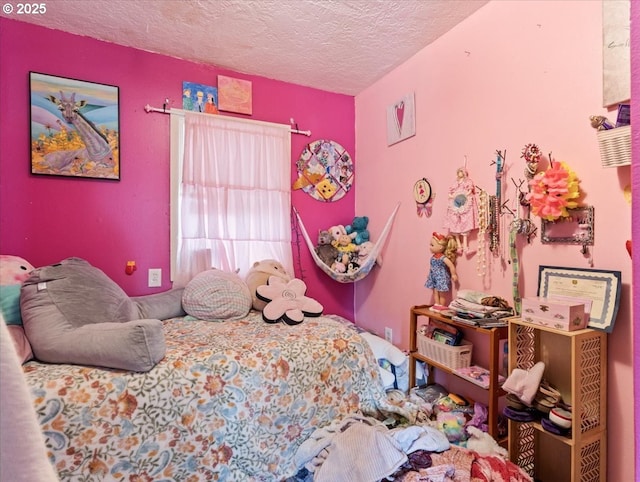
259, 274
358, 229
324, 237
325, 250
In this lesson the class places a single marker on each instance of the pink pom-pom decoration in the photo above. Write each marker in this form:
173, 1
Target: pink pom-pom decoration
553, 192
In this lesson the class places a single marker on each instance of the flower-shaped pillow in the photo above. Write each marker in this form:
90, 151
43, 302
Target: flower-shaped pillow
286, 301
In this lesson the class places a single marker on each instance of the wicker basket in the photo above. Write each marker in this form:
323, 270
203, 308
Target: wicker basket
615, 146
451, 356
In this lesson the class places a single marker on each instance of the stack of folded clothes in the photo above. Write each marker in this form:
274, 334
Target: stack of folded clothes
478, 308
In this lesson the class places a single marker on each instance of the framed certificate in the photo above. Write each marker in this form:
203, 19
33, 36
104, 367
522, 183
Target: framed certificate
601, 287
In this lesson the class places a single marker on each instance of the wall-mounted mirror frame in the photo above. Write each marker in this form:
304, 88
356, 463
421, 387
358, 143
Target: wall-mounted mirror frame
578, 228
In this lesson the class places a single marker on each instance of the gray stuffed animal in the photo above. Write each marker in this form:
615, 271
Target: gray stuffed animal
325, 250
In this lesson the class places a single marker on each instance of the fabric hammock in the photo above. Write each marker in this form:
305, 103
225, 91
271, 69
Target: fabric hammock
364, 268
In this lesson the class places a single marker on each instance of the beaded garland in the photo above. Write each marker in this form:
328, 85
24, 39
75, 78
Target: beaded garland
494, 242
483, 224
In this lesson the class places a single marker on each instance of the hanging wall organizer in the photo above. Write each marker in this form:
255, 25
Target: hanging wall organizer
325, 171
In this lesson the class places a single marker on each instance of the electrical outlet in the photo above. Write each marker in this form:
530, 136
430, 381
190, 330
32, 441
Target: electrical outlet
155, 278
388, 334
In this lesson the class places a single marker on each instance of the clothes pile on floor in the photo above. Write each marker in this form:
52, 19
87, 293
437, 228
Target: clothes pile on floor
360, 448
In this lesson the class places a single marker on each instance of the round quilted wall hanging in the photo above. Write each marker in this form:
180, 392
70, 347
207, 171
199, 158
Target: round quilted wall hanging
325, 171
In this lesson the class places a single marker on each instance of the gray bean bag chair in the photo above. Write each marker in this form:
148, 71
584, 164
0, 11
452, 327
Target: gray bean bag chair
74, 313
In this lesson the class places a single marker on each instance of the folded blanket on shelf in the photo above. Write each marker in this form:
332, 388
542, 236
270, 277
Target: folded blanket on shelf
459, 305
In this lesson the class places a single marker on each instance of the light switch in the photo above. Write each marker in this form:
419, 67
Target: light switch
155, 278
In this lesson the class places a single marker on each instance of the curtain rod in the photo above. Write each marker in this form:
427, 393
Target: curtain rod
149, 109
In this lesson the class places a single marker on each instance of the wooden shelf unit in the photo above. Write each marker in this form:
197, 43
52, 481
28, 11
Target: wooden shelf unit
576, 364
495, 334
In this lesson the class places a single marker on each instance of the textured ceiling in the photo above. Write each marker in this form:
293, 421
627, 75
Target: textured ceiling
340, 46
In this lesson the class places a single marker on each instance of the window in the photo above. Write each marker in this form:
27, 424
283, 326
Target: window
230, 194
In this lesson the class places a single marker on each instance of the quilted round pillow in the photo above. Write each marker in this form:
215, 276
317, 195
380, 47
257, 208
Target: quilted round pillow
216, 295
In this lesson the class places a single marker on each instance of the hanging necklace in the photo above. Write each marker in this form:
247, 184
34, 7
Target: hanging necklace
483, 224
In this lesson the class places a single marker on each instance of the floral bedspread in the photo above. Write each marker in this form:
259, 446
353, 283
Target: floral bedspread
230, 401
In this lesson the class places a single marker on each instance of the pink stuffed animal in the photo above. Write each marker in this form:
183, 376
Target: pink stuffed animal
13, 271
337, 231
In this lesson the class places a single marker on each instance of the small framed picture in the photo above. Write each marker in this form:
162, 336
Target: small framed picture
401, 120
199, 98
235, 95
75, 127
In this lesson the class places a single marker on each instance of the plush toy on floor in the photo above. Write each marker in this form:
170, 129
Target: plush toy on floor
483, 443
259, 274
452, 425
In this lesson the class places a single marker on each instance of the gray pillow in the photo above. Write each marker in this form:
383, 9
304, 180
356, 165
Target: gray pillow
74, 313
162, 306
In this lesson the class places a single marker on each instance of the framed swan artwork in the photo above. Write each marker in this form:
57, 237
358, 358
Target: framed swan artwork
75, 128
401, 119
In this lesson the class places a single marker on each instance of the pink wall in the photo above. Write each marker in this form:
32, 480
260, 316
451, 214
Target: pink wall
511, 74
45, 219
635, 114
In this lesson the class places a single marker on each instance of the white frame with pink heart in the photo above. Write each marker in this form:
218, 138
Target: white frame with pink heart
401, 120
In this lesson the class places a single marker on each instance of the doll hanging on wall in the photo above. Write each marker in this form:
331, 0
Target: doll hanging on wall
442, 270
461, 217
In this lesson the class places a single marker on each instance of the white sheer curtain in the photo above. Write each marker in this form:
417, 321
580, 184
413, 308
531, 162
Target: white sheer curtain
230, 194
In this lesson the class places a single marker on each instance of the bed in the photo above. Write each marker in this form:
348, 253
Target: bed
231, 400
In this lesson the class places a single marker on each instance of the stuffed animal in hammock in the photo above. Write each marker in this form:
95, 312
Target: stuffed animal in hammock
357, 230
286, 301
325, 250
